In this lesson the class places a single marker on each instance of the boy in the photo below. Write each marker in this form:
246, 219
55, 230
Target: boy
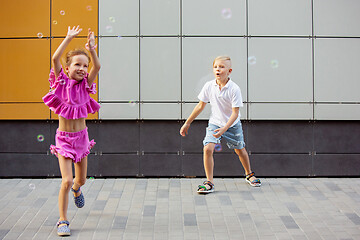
225, 99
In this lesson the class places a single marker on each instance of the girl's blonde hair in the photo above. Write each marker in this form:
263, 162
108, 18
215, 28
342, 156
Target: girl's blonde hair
223, 58
75, 52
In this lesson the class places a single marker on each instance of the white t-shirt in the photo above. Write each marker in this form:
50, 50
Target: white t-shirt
222, 101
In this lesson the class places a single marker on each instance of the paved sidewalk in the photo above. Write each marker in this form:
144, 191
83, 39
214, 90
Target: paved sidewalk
170, 208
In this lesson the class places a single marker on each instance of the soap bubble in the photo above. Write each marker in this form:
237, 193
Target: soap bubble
40, 35
55, 22
91, 178
112, 19
31, 186
62, 12
252, 60
40, 138
274, 63
200, 84
132, 103
89, 8
109, 29
62, 81
218, 147
226, 13
120, 37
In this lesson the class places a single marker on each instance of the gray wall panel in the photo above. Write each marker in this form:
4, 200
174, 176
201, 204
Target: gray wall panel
280, 137
337, 111
118, 165
282, 70
160, 136
155, 149
227, 165
280, 18
210, 17
336, 17
336, 70
337, 165
119, 75
192, 165
119, 18
24, 136
160, 165
93, 129
93, 165
337, 137
160, 69
281, 165
119, 111
281, 111
192, 142
159, 17
119, 137
28, 165
160, 111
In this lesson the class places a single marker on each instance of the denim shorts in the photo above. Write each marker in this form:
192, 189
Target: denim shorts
234, 136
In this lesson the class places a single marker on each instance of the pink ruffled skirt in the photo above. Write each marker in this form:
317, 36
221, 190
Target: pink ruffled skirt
74, 145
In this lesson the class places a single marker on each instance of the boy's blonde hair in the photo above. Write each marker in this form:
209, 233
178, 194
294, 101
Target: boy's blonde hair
75, 52
222, 58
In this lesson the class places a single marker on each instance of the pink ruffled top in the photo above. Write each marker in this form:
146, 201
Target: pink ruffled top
70, 98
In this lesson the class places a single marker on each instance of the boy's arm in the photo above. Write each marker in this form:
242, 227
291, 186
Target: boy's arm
60, 50
233, 117
197, 110
94, 58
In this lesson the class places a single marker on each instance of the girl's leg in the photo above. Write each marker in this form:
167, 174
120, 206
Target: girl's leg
65, 165
244, 159
209, 161
80, 175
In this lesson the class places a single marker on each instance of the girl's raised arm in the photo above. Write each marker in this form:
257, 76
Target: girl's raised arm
72, 32
96, 62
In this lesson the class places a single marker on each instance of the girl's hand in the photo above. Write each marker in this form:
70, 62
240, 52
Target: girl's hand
91, 39
219, 132
73, 32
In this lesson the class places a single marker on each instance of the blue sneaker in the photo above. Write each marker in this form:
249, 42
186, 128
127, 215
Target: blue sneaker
79, 200
63, 230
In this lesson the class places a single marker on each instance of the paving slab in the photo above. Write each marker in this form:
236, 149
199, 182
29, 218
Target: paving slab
170, 208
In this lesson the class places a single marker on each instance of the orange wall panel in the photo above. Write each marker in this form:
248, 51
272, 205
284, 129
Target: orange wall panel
77, 42
72, 13
24, 18
90, 116
24, 65
26, 111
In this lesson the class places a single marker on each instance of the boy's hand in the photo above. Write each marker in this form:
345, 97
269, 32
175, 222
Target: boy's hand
91, 39
219, 132
184, 129
73, 32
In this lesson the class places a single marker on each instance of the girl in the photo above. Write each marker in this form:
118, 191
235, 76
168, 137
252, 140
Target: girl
69, 98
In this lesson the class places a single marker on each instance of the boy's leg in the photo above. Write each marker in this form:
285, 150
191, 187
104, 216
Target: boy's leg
80, 175
209, 161
209, 143
244, 159
65, 165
